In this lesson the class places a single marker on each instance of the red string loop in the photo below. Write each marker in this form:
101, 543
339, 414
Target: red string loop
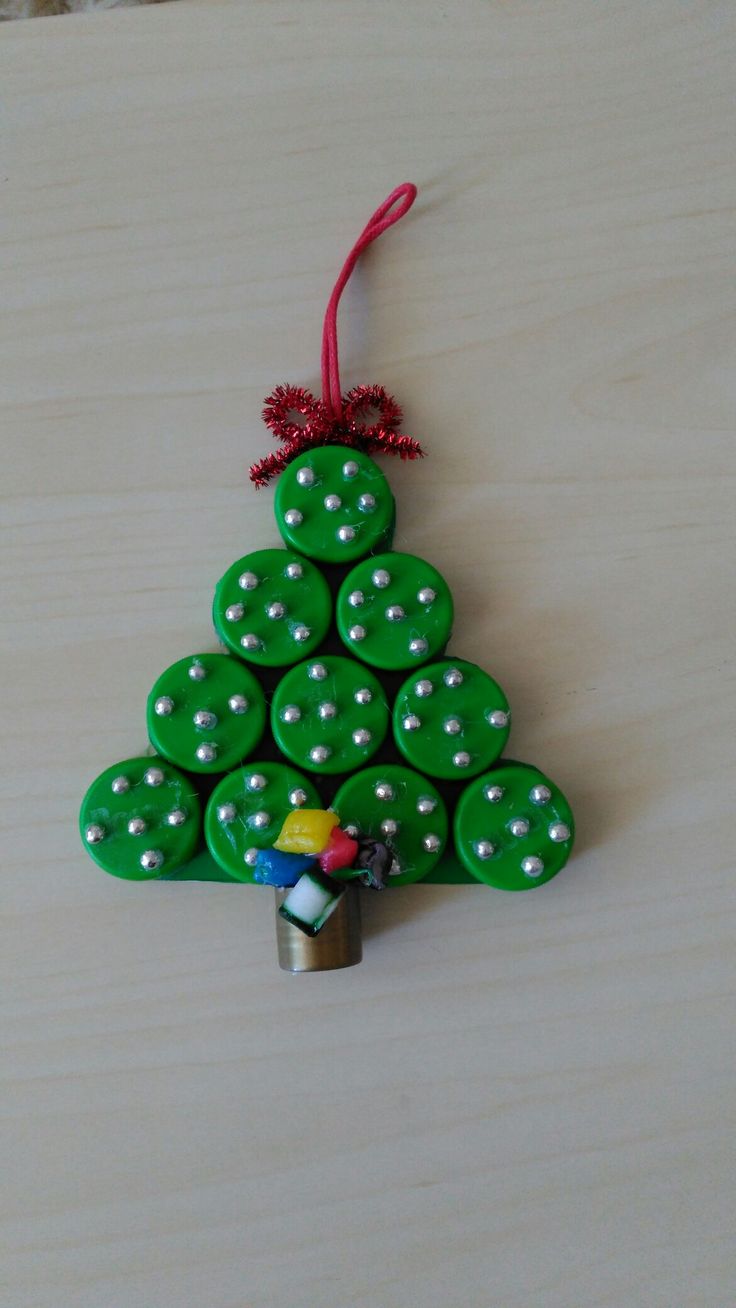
301, 421
394, 207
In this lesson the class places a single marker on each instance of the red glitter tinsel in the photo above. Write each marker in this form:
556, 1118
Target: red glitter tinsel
284, 407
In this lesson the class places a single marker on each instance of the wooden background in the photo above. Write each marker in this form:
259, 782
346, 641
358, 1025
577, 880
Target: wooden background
516, 1101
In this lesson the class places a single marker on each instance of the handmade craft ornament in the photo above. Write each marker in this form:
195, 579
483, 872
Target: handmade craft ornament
379, 762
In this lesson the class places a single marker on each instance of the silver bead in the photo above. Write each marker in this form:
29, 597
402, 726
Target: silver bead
346, 533
197, 672
176, 818
498, 719
153, 776
351, 831
426, 804
558, 831
484, 848
120, 785
356, 598
250, 640
94, 833
461, 759
317, 672
206, 753
237, 704
227, 813
418, 646
389, 827
357, 632
394, 613
411, 722
453, 677
260, 820
453, 726
366, 503
291, 713
532, 866
384, 790
363, 695
519, 827
151, 860
301, 633
293, 518
431, 842
305, 477
381, 578
327, 710
426, 595
294, 571
204, 718
276, 610
320, 753
423, 688
234, 612
540, 794
256, 781
164, 706
247, 581
297, 797
332, 503
137, 826
250, 856
493, 794
361, 736
350, 469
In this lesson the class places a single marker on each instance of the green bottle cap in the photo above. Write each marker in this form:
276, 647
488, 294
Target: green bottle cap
329, 715
334, 504
246, 812
451, 720
394, 611
206, 713
272, 607
140, 819
514, 828
402, 810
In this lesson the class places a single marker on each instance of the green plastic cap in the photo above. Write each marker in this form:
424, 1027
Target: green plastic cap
329, 715
140, 819
451, 720
402, 810
394, 611
334, 505
206, 713
246, 811
272, 607
514, 828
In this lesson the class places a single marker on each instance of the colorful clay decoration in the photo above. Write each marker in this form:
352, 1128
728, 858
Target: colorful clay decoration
357, 755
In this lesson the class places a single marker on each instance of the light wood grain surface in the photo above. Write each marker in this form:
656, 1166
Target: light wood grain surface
516, 1100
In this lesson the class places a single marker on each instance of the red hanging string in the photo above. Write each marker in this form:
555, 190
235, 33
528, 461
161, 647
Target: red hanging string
394, 207
301, 421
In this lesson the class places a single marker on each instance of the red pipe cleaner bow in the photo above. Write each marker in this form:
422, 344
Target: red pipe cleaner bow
301, 421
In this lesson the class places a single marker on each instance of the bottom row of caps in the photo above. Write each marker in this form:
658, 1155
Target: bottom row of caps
513, 828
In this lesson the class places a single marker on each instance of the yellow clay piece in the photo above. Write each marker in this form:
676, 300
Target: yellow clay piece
306, 831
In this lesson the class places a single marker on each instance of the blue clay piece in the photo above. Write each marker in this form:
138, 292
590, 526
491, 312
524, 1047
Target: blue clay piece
276, 868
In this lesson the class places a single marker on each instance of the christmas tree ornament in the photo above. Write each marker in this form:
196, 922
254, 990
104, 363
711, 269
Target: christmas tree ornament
348, 751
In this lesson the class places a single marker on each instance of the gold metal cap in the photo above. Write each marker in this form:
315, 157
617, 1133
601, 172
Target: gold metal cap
338, 944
